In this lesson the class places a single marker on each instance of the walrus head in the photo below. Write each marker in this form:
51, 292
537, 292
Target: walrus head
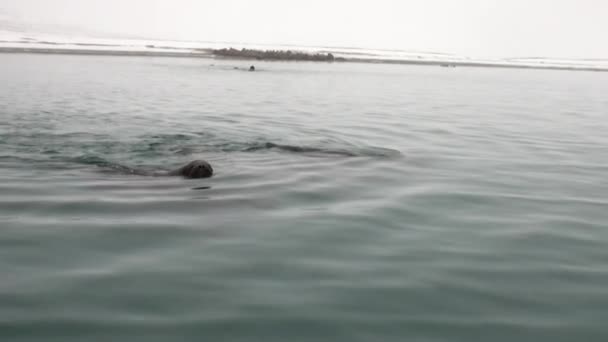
197, 169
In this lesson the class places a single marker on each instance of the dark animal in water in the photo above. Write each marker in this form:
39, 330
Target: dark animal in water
194, 169
252, 68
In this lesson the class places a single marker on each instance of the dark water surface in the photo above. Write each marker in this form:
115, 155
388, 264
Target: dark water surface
350, 202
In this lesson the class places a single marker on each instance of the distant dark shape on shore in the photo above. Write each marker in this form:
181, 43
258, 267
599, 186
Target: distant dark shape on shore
252, 68
276, 55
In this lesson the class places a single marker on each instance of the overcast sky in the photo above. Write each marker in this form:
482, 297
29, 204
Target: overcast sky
480, 28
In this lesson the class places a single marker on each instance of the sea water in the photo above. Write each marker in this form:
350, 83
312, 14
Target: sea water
351, 202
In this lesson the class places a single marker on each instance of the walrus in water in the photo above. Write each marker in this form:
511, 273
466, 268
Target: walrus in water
192, 170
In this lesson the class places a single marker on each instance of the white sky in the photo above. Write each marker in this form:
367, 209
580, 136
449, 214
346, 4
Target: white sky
480, 28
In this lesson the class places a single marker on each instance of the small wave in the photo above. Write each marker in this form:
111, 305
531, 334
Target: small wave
298, 149
354, 152
152, 153
108, 166
184, 144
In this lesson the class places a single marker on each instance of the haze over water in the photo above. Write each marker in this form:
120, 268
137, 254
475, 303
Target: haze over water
351, 202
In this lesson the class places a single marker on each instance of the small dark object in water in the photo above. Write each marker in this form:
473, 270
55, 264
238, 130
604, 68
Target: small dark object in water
252, 68
194, 169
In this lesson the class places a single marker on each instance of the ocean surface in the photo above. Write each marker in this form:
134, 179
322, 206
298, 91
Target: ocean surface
351, 202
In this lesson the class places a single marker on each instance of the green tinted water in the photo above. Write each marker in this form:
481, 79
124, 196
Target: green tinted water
350, 202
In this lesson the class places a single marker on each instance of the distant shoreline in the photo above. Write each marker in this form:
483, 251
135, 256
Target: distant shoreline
211, 54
